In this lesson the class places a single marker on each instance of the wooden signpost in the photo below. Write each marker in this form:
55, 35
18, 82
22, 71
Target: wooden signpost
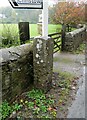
45, 19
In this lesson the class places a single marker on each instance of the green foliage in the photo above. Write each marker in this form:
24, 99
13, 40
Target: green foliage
31, 16
66, 75
64, 85
37, 103
15, 16
9, 36
30, 104
16, 107
33, 28
64, 60
34, 94
6, 109
80, 49
40, 103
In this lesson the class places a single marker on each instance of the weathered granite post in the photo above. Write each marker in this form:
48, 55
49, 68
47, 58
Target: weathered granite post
43, 62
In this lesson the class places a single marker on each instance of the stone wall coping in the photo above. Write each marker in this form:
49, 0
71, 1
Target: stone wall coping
75, 32
13, 53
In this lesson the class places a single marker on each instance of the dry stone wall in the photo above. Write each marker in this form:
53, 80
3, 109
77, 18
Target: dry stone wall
74, 39
17, 70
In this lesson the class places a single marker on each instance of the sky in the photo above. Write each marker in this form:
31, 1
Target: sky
4, 3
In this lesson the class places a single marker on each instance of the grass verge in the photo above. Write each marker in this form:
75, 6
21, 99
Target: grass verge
80, 49
64, 60
64, 90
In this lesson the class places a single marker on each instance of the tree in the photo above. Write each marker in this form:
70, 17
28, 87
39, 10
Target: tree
69, 13
15, 16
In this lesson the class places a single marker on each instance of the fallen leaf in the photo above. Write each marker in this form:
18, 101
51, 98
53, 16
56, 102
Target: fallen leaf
50, 108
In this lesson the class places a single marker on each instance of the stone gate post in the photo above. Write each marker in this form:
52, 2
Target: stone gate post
43, 62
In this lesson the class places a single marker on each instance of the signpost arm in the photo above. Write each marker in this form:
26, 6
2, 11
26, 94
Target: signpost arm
45, 19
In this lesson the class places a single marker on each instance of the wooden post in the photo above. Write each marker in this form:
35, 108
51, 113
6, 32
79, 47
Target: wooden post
63, 37
45, 19
24, 31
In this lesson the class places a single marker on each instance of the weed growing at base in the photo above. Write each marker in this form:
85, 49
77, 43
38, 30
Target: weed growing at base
40, 104
6, 109
37, 103
80, 49
65, 84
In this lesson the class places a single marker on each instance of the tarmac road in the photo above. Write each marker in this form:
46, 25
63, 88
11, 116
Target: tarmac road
74, 64
77, 109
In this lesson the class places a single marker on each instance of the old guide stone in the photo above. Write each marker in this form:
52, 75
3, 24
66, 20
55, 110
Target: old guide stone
43, 62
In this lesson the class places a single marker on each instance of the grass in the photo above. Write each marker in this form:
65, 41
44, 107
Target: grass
66, 75
64, 60
34, 28
54, 28
65, 84
9, 33
9, 36
80, 49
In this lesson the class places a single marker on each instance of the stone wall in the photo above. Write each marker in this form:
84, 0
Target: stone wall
17, 70
74, 39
